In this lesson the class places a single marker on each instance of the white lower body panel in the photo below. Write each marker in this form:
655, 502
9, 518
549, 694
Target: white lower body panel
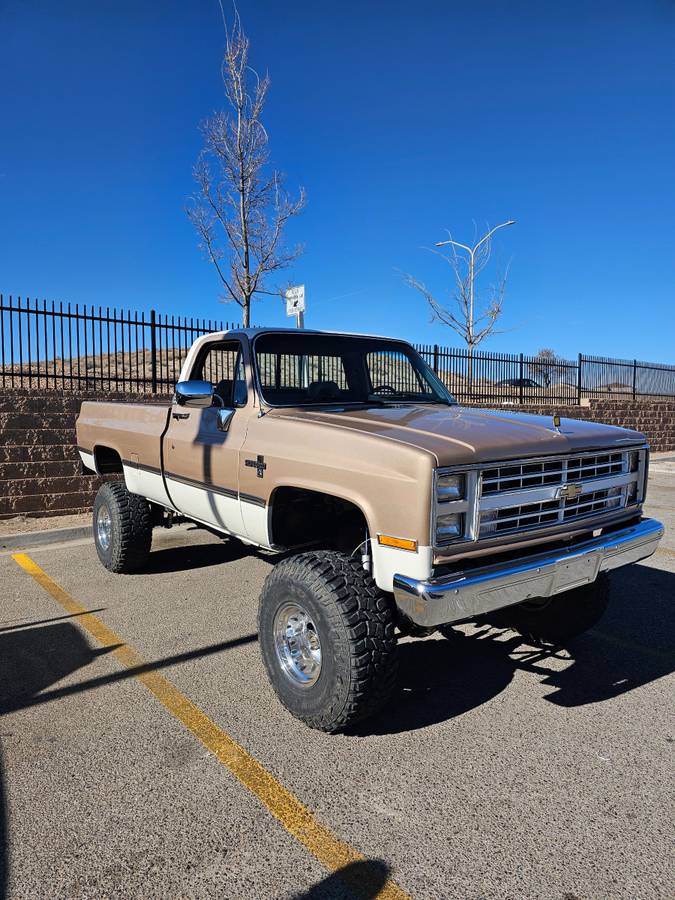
209, 507
255, 519
390, 561
87, 459
147, 484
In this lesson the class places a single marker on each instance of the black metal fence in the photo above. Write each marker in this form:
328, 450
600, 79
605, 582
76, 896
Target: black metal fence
510, 378
72, 347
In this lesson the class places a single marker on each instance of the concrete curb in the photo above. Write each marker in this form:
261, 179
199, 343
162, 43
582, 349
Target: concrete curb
51, 536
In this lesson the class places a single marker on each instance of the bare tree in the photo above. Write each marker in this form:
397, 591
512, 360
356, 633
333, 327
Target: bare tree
241, 208
470, 318
543, 366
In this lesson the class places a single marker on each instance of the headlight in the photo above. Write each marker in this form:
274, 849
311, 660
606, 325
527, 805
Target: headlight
452, 506
450, 487
637, 463
449, 525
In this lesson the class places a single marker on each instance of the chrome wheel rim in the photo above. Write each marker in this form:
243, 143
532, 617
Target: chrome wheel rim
103, 527
297, 644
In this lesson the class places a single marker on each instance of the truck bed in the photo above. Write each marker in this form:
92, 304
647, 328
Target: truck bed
126, 437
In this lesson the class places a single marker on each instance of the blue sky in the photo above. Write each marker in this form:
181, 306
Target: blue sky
401, 121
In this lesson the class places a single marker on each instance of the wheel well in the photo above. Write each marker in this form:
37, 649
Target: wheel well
300, 516
107, 460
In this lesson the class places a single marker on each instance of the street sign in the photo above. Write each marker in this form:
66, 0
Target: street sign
295, 300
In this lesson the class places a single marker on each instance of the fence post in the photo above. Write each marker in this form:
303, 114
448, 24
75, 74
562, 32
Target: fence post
436, 359
153, 351
520, 381
579, 380
634, 376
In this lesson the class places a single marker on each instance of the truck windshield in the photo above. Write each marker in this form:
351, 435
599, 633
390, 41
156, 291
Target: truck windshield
306, 369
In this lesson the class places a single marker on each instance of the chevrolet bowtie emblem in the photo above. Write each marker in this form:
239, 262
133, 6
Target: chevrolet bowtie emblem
570, 491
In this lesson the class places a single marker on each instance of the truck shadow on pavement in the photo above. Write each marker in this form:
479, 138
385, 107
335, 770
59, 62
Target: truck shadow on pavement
361, 880
633, 645
35, 656
194, 556
32, 659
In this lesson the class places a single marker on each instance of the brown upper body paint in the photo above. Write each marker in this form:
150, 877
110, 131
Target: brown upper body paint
381, 459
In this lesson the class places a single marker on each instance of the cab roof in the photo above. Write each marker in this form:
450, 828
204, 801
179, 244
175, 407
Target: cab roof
252, 332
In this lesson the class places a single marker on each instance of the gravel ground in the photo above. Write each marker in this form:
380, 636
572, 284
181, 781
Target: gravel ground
28, 524
498, 771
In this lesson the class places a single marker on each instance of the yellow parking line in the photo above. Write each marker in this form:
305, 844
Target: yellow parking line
329, 850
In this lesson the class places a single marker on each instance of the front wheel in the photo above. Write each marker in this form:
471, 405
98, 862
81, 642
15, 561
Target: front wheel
122, 528
556, 620
327, 637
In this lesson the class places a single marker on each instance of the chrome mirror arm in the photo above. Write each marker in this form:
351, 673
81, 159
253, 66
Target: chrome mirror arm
224, 418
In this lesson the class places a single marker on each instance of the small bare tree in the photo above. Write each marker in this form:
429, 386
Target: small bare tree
543, 366
241, 208
472, 320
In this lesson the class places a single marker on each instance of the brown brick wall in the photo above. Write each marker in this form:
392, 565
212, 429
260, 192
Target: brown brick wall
40, 470
655, 419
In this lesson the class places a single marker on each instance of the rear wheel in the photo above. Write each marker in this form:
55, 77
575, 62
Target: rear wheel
327, 637
122, 528
558, 619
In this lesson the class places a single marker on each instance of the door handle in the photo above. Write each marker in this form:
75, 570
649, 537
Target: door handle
180, 415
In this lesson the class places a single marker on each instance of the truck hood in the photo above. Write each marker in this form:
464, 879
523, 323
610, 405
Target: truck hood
458, 435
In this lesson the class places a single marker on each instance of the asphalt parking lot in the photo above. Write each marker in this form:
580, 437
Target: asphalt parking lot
170, 769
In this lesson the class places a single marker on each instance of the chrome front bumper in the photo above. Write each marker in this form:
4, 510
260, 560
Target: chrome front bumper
465, 595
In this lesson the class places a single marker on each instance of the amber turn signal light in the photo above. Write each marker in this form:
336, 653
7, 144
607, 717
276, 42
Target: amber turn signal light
386, 540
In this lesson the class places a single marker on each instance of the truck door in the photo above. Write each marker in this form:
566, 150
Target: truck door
201, 462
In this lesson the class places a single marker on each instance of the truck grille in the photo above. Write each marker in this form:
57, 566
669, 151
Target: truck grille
516, 476
521, 495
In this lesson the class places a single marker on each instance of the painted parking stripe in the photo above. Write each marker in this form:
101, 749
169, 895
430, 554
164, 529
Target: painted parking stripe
329, 850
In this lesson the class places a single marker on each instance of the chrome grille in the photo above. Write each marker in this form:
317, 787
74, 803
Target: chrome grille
528, 515
522, 495
580, 468
520, 475
549, 512
525, 495
595, 501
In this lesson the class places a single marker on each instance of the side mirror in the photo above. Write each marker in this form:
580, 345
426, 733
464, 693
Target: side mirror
194, 394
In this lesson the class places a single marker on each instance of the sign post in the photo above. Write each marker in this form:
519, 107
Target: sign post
295, 304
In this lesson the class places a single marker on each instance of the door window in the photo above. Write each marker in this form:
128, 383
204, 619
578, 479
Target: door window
223, 366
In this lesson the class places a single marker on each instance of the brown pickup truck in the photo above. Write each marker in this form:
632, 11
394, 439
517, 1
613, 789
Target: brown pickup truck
394, 510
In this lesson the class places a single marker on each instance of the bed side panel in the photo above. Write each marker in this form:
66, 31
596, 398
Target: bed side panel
135, 431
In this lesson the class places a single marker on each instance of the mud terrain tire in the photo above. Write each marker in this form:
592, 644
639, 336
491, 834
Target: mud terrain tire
122, 528
325, 603
553, 621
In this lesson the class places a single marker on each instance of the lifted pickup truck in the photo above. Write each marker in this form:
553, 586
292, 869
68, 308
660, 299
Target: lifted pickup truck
393, 509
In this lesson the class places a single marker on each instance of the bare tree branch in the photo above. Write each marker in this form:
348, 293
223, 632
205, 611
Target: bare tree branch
240, 207
472, 319
544, 366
